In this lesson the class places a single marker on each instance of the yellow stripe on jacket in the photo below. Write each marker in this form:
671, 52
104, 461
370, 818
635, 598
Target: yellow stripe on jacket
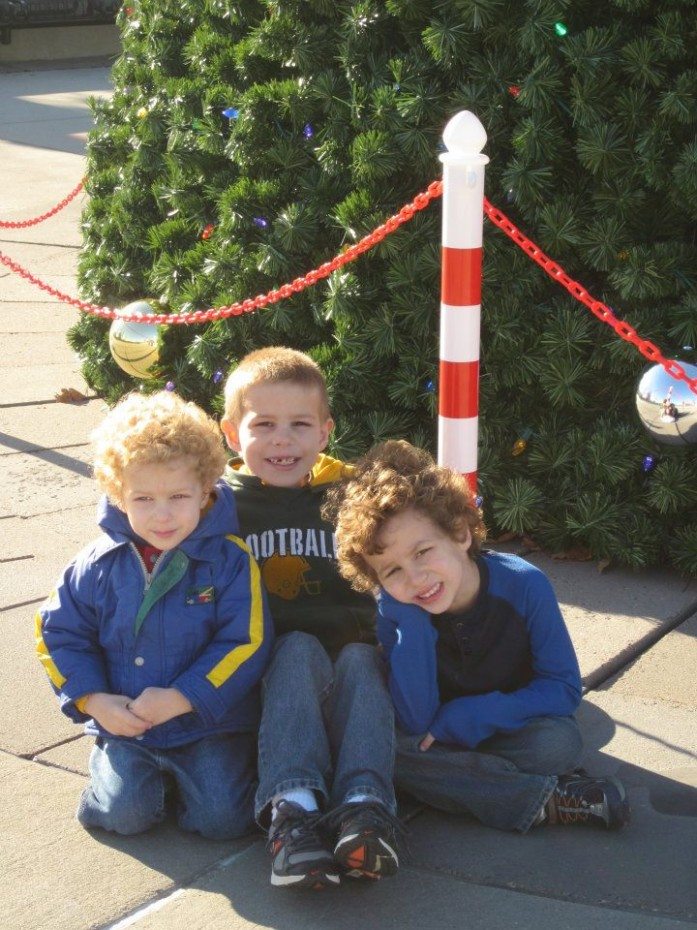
44, 655
229, 664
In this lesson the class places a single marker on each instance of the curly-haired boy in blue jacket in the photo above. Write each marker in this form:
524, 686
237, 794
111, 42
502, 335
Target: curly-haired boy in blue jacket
482, 671
157, 634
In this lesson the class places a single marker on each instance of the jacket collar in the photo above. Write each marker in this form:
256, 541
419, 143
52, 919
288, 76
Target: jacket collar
325, 471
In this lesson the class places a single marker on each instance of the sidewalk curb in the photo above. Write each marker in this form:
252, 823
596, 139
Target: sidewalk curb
635, 650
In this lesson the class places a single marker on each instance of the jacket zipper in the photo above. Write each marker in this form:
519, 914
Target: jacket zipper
147, 576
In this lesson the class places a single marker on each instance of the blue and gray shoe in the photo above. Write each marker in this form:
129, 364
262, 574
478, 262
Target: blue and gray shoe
366, 844
580, 798
300, 858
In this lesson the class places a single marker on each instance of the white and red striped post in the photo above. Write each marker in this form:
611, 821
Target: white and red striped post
461, 290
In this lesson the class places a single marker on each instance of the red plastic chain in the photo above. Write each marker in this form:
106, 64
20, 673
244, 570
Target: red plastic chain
420, 202
22, 224
596, 307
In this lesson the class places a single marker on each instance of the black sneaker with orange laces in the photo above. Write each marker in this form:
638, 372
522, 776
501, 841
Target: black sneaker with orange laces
366, 846
579, 798
300, 858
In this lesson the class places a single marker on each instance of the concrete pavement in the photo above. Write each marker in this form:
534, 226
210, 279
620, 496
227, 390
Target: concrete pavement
636, 635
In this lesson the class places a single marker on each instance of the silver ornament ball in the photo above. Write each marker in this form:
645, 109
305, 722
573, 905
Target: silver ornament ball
667, 408
135, 347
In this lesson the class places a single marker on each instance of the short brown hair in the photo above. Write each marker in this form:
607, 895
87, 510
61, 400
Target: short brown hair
155, 429
392, 477
271, 366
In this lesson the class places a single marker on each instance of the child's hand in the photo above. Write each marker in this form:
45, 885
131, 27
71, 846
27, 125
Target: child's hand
113, 713
157, 705
427, 742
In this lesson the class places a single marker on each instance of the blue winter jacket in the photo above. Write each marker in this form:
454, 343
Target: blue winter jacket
522, 594
199, 624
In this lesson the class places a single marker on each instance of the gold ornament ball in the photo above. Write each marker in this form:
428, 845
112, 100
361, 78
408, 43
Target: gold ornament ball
135, 347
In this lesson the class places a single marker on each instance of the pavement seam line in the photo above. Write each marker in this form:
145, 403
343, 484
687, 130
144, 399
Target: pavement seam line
36, 756
145, 910
13, 405
36, 600
32, 450
40, 245
577, 902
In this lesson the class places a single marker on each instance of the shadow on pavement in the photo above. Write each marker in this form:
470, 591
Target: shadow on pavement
47, 455
576, 864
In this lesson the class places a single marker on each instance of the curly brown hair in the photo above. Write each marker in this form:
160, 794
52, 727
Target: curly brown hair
392, 477
155, 429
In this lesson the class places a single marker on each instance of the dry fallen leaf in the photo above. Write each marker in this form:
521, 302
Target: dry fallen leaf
71, 396
603, 564
506, 537
575, 554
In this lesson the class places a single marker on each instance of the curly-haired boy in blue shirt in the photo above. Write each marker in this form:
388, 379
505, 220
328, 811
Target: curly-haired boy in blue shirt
482, 671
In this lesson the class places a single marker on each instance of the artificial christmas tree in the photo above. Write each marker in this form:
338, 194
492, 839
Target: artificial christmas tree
247, 143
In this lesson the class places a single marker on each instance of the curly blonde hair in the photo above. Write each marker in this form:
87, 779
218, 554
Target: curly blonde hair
270, 366
155, 429
392, 477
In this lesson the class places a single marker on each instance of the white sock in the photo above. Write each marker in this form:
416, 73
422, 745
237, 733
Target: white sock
361, 799
303, 797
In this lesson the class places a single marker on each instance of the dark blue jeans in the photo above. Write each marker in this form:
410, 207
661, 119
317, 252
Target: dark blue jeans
214, 779
503, 782
325, 726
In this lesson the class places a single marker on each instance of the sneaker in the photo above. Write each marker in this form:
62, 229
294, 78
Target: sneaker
578, 798
300, 858
366, 844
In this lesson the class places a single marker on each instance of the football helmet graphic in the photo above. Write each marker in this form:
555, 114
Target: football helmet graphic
285, 576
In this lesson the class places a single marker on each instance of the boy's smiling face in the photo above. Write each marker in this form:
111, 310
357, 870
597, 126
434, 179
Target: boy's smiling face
282, 431
420, 564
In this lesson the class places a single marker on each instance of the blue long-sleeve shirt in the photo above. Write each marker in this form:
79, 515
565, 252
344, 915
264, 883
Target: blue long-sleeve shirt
493, 668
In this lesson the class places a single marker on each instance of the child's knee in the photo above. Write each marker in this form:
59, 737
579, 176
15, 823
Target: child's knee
359, 665
120, 814
358, 657
570, 745
559, 744
298, 659
299, 647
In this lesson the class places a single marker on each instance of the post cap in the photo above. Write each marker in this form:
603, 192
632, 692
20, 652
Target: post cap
464, 134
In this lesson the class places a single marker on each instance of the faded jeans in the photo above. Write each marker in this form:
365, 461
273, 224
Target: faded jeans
214, 779
503, 782
325, 726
